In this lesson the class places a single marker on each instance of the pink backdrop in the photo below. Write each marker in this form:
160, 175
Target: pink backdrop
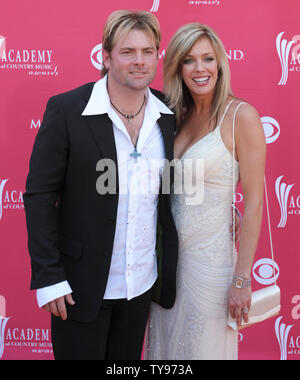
50, 47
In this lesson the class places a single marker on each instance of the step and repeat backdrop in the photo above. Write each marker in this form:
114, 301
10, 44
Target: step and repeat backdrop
50, 47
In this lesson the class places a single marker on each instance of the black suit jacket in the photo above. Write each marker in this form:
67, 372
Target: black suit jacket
71, 227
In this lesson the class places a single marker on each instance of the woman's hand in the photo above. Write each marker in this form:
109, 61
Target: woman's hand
240, 304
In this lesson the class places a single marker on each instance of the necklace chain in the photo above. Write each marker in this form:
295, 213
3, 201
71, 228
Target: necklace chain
130, 117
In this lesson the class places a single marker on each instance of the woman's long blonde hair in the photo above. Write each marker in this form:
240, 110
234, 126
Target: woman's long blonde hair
177, 93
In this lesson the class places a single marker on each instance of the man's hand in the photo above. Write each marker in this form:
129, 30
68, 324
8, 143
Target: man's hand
58, 306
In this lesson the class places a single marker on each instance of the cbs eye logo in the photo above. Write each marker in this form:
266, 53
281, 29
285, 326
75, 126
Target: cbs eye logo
263, 271
96, 57
271, 129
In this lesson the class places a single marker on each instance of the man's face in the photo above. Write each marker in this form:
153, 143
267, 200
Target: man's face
133, 60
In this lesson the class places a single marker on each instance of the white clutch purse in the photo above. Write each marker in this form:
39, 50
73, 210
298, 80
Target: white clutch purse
266, 302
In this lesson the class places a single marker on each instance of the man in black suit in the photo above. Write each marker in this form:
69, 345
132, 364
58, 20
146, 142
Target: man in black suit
97, 256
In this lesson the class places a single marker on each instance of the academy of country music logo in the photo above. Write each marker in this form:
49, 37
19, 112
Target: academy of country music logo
287, 337
289, 202
204, 2
282, 333
10, 199
3, 323
35, 62
2, 185
289, 56
155, 6
2, 47
156, 3
37, 340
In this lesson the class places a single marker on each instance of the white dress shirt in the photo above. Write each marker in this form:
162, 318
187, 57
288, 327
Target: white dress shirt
133, 268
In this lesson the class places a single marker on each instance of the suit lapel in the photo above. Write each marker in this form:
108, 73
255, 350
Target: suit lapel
166, 123
101, 129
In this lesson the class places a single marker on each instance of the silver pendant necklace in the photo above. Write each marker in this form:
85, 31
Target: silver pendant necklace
135, 154
130, 117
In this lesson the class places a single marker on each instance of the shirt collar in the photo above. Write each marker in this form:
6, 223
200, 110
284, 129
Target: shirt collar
99, 102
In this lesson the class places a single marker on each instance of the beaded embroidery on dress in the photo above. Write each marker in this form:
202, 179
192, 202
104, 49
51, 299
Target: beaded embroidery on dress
196, 327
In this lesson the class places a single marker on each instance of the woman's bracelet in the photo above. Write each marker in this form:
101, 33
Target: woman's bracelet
240, 282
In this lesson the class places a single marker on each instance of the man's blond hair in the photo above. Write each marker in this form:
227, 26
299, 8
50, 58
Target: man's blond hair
121, 22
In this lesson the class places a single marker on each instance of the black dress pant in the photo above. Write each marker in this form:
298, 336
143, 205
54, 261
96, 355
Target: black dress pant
116, 334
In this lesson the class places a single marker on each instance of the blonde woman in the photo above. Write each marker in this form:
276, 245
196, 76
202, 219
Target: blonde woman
212, 125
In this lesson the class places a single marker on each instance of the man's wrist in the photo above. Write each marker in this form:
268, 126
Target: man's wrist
52, 292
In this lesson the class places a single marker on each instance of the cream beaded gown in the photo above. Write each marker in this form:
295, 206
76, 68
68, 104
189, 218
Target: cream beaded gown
196, 327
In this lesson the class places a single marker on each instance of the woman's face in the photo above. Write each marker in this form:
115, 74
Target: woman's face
200, 68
